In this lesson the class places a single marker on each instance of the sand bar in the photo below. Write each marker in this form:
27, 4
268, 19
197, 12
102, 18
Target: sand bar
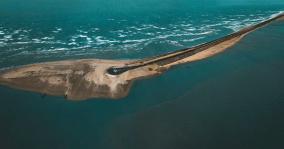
110, 79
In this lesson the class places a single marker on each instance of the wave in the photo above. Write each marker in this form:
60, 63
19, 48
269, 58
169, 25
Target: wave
56, 50
122, 35
241, 23
193, 39
135, 40
100, 40
89, 40
276, 14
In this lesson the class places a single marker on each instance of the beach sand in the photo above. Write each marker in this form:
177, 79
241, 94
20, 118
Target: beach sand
88, 78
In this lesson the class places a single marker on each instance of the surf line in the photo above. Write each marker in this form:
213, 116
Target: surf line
183, 53
110, 79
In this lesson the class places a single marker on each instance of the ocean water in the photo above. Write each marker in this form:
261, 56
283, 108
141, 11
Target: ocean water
232, 100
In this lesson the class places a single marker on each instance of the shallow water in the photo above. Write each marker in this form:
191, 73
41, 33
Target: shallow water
59, 36
232, 100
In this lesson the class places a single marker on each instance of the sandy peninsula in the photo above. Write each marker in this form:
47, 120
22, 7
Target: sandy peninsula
110, 79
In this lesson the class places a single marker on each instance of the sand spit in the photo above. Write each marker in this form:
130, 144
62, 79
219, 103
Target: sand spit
95, 78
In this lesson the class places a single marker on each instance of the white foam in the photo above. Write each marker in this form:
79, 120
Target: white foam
26, 31
203, 33
47, 38
95, 29
81, 31
16, 31
276, 14
136, 40
190, 29
122, 35
81, 47
56, 49
36, 40
175, 43
237, 25
72, 43
21, 42
101, 41
193, 39
8, 36
57, 30
150, 34
89, 40
146, 26
132, 38
150, 26
82, 36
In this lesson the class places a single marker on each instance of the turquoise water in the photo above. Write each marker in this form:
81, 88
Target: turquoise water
232, 100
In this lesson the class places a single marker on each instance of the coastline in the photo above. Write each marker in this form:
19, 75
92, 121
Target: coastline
90, 78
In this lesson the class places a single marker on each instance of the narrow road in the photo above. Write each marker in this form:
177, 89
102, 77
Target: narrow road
174, 56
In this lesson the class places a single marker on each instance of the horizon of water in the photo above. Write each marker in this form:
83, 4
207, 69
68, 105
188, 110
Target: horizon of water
231, 100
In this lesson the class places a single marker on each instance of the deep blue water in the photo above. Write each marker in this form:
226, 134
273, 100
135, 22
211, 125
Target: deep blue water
232, 100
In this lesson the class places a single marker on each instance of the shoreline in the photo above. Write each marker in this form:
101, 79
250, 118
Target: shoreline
97, 78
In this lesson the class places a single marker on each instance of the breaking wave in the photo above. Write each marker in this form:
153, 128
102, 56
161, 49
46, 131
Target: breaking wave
15, 42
